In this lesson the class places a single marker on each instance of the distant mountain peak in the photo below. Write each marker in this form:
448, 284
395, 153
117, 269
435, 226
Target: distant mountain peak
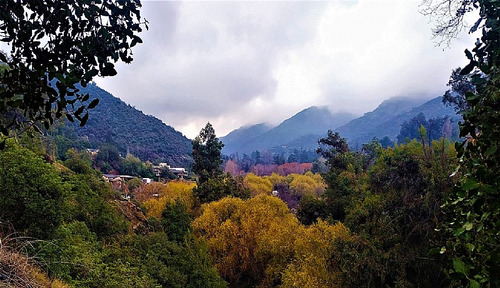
312, 120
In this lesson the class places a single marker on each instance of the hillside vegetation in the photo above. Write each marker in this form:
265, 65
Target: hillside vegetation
114, 122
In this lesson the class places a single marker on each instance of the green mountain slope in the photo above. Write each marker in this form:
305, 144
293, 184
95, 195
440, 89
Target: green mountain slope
113, 121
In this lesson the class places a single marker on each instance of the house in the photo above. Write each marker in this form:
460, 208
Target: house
92, 152
117, 181
179, 171
157, 170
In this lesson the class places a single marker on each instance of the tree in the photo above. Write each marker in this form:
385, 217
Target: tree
176, 220
232, 168
412, 129
56, 47
460, 84
248, 240
336, 152
212, 183
31, 192
207, 154
108, 156
332, 147
473, 208
258, 185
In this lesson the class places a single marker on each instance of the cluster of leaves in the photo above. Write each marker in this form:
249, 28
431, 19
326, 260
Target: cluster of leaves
212, 183
391, 200
290, 188
54, 47
473, 208
156, 196
436, 128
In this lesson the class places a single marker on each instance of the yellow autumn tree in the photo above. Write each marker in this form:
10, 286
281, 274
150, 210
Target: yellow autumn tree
258, 185
276, 179
239, 233
307, 184
168, 193
259, 243
315, 264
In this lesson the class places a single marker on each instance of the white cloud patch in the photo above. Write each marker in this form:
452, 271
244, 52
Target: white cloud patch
235, 63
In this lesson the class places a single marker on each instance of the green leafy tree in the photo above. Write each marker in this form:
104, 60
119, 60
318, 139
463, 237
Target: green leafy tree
79, 162
31, 192
332, 148
396, 213
474, 206
207, 154
412, 129
133, 166
221, 186
55, 46
460, 84
108, 157
212, 183
335, 150
176, 220
310, 209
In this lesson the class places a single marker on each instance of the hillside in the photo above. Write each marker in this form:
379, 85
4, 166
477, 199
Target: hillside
303, 130
313, 120
367, 124
233, 140
113, 121
387, 118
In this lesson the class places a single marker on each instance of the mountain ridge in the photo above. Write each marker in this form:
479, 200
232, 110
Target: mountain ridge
130, 130
384, 120
312, 120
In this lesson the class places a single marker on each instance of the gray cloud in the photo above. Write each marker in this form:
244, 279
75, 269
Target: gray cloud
234, 63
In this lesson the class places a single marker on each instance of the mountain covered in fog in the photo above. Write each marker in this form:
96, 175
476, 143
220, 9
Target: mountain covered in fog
302, 130
313, 120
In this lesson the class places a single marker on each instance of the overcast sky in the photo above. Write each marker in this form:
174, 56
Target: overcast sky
238, 63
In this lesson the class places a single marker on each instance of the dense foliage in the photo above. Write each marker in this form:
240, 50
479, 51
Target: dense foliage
118, 124
212, 183
31, 192
87, 236
474, 207
55, 46
369, 220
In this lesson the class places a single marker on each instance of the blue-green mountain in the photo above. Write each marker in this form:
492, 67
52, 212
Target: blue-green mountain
303, 130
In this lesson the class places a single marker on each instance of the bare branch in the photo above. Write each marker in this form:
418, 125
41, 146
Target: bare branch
449, 18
